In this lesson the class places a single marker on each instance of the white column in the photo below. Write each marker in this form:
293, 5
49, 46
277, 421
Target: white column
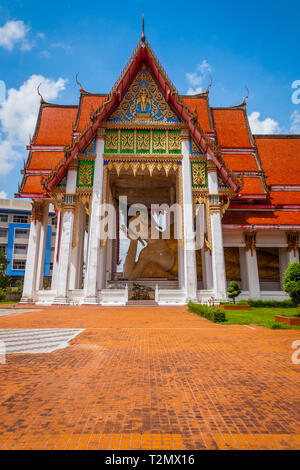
207, 269
93, 258
76, 252
243, 270
292, 257
283, 263
180, 254
31, 262
217, 247
109, 259
43, 239
55, 263
66, 240
190, 269
252, 274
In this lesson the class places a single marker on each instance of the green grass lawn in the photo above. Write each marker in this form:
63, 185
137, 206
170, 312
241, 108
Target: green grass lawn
262, 317
9, 302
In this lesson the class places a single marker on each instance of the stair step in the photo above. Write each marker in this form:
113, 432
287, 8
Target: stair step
141, 302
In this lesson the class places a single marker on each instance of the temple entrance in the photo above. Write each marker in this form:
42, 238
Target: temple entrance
143, 264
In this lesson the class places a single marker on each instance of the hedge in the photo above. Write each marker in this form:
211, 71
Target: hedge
213, 314
264, 303
271, 303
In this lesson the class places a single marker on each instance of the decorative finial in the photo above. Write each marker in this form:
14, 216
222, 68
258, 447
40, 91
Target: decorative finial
78, 83
143, 38
247, 96
38, 92
209, 85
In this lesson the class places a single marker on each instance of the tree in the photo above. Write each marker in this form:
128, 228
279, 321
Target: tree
233, 290
291, 282
4, 279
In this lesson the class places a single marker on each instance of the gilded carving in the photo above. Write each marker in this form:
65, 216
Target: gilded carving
111, 141
293, 241
159, 141
199, 175
143, 100
127, 141
174, 141
250, 241
143, 141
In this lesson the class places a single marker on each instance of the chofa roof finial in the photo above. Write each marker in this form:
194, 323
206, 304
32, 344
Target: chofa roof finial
143, 37
38, 92
247, 96
78, 83
210, 84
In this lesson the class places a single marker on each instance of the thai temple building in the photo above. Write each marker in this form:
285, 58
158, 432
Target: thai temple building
147, 144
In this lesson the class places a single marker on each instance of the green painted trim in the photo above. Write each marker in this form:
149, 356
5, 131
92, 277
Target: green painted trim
139, 132
160, 133
174, 132
109, 132
193, 162
85, 163
128, 132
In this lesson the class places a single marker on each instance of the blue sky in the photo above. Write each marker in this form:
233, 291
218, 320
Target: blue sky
238, 43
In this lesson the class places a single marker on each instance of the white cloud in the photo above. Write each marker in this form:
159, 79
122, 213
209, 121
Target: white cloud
61, 45
3, 195
2, 91
196, 79
15, 33
295, 125
18, 114
265, 126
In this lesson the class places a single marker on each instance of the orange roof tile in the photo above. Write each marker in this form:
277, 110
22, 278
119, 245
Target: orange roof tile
33, 185
200, 105
285, 197
261, 218
44, 160
231, 128
280, 159
88, 104
252, 186
56, 125
240, 162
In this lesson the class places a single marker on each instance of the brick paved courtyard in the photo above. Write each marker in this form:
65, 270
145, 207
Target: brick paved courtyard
147, 378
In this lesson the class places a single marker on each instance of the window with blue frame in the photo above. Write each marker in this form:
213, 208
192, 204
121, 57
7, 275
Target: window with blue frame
21, 233
20, 219
19, 264
3, 232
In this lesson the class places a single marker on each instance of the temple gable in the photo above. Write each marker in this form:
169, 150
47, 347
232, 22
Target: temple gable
144, 101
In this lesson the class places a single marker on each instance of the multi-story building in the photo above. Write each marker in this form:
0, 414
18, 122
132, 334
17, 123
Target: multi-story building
14, 235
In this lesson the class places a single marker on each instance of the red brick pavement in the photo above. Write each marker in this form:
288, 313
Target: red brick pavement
150, 378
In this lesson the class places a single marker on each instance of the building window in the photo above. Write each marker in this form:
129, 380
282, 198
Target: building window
3, 232
20, 219
19, 264
20, 249
53, 221
51, 266
3, 218
52, 248
3, 249
19, 233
